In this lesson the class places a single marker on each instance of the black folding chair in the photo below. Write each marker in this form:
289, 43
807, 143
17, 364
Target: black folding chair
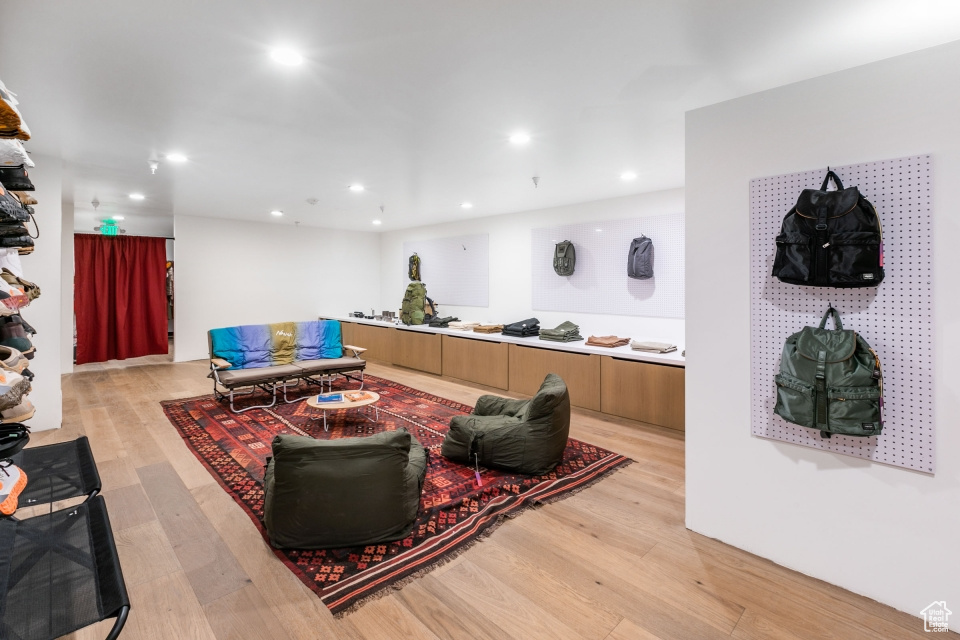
58, 472
60, 572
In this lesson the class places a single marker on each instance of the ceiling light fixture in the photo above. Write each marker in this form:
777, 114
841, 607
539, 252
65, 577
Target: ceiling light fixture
137, 196
176, 157
118, 217
520, 137
286, 56
377, 222
356, 188
276, 212
466, 205
627, 176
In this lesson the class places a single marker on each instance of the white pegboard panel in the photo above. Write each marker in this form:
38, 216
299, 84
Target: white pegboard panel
896, 318
456, 270
600, 283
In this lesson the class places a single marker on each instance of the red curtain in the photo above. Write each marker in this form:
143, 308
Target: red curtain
119, 297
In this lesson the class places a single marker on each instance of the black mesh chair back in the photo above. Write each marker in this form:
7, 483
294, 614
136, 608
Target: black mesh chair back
59, 573
58, 472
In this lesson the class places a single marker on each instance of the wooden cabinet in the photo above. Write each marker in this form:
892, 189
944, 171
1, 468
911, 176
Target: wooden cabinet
642, 391
480, 361
378, 341
581, 371
652, 393
417, 350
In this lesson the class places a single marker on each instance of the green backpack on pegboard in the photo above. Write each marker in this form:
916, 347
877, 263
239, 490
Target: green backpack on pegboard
411, 311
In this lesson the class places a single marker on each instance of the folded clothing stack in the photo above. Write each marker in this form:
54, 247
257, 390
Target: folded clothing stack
653, 347
607, 341
523, 329
564, 332
488, 328
442, 323
464, 326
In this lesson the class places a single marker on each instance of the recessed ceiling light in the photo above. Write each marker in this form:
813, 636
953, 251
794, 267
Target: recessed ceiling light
520, 137
276, 212
118, 217
377, 222
137, 196
627, 176
287, 57
356, 188
466, 205
176, 157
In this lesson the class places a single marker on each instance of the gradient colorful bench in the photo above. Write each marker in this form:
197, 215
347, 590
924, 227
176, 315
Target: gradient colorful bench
272, 356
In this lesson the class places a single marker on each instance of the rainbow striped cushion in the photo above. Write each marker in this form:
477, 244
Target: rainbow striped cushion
255, 346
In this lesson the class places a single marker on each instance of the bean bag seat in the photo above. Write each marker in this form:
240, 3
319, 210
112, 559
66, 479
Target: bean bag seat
322, 494
523, 436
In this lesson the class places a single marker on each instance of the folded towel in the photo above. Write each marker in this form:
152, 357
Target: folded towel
564, 338
564, 332
653, 347
523, 328
488, 328
607, 341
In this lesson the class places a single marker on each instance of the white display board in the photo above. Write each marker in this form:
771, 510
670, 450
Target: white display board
894, 318
600, 283
456, 270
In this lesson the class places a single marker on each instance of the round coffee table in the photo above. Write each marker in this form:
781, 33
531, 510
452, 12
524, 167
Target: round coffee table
369, 401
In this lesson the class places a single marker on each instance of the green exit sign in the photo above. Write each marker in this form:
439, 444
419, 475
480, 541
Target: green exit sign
108, 228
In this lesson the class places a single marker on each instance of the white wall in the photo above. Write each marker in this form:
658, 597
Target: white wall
885, 532
510, 275
43, 268
66, 284
232, 273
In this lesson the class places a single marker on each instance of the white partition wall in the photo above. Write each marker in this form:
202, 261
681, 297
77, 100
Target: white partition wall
232, 273
886, 532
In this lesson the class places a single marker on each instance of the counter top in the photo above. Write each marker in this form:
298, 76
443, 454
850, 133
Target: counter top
625, 353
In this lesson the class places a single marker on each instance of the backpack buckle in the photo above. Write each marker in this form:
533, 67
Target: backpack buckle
821, 227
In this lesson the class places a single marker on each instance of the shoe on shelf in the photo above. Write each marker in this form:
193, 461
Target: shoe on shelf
11, 297
13, 481
23, 323
25, 198
16, 178
23, 345
19, 413
13, 360
13, 387
32, 290
29, 288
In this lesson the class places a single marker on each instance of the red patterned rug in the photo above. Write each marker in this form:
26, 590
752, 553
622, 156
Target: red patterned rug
454, 511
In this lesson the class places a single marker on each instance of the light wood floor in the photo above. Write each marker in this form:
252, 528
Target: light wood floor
613, 561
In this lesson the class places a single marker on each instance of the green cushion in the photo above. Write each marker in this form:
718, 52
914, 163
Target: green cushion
523, 436
337, 493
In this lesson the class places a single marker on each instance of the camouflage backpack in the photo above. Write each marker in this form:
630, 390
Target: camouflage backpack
411, 311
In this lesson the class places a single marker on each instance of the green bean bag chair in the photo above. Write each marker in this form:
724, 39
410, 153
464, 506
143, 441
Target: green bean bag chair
523, 436
322, 494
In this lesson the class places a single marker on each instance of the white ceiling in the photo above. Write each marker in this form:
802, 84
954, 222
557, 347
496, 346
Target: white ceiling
414, 99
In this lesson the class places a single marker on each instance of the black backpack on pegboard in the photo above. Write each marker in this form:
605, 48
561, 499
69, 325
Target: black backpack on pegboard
830, 239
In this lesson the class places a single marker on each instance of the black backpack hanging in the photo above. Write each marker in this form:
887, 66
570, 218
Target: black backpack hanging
564, 258
640, 258
830, 239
